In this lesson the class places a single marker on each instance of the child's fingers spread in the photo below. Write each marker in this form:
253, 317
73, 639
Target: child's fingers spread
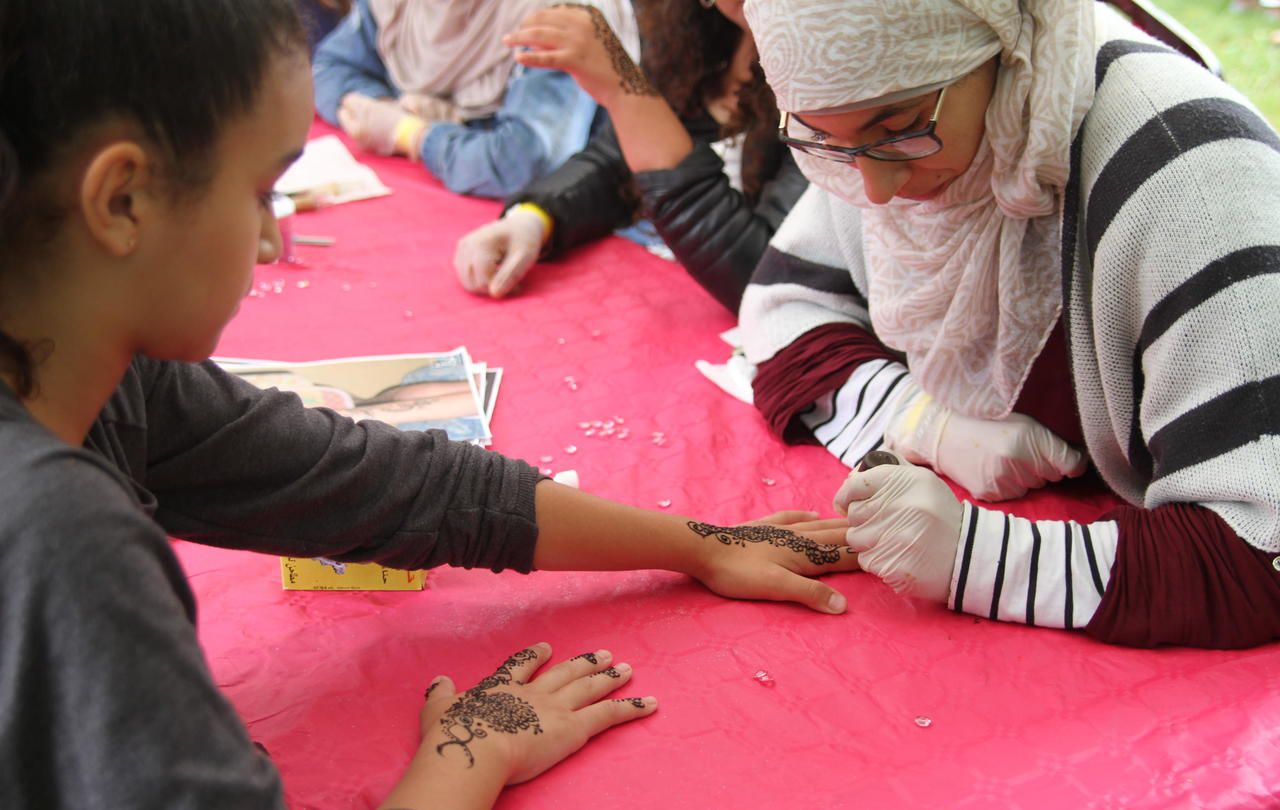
576, 667
608, 713
587, 690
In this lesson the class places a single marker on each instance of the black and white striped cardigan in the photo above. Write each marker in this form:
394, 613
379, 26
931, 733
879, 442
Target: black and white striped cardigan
1171, 263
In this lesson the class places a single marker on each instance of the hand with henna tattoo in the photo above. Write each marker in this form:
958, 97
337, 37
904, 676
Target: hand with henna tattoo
578, 40
512, 726
775, 558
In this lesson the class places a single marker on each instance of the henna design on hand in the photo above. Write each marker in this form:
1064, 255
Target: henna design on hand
637, 702
610, 671
774, 536
589, 657
630, 77
502, 675
478, 712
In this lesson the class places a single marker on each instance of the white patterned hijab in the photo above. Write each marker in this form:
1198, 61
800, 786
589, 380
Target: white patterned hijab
967, 284
452, 49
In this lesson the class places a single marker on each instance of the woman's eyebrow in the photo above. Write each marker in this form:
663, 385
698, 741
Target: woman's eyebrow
886, 113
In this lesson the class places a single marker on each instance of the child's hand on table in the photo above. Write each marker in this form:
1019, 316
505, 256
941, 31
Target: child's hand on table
512, 726
775, 558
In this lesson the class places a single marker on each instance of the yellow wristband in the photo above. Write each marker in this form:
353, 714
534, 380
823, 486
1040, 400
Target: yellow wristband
406, 133
547, 222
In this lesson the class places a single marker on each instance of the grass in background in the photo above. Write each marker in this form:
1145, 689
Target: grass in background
1242, 41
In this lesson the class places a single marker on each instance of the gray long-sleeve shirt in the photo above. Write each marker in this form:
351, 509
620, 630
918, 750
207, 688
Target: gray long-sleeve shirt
105, 697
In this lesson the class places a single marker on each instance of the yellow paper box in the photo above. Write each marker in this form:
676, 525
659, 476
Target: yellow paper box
303, 574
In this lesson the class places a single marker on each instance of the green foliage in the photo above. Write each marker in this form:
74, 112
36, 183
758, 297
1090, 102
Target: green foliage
1241, 37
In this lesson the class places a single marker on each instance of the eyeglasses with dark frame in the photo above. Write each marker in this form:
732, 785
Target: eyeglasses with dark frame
912, 145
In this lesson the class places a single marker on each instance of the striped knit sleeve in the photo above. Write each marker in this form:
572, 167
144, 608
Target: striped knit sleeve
1046, 573
1171, 226
811, 275
1142, 578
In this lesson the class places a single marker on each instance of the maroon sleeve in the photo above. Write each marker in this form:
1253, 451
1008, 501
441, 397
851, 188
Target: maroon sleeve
818, 362
1182, 576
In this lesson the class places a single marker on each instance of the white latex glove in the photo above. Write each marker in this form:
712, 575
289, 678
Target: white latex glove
994, 459
904, 522
495, 257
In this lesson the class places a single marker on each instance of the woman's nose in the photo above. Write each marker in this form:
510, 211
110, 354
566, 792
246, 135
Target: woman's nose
881, 179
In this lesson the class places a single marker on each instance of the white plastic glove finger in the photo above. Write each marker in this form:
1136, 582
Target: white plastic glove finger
511, 271
479, 253
475, 265
1062, 458
907, 531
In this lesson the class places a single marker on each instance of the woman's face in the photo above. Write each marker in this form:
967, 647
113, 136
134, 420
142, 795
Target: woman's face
960, 127
202, 258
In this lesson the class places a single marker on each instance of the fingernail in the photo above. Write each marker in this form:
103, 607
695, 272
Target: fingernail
650, 700
604, 656
836, 603
623, 668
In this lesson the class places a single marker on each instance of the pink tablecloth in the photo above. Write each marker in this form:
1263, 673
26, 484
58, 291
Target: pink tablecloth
1018, 718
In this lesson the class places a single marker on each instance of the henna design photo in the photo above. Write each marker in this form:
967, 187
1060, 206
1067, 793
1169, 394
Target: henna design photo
611, 672
772, 535
589, 657
637, 702
477, 713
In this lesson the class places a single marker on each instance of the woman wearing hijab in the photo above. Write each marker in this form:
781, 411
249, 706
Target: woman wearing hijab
1032, 232
432, 81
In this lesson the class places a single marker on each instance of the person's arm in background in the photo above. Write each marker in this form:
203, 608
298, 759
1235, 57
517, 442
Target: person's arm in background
544, 118
578, 40
821, 370
582, 200
347, 61
712, 228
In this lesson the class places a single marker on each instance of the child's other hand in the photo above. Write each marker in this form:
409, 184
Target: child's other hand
495, 257
526, 724
578, 40
776, 557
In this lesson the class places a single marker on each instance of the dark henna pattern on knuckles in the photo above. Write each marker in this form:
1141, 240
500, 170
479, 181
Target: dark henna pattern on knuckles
502, 675
478, 712
630, 76
780, 538
588, 657
637, 702
610, 671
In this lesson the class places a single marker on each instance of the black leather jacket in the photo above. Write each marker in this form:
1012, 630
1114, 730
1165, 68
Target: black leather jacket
712, 229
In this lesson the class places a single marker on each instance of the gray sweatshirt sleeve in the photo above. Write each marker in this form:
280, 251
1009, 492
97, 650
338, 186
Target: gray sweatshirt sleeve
105, 698
235, 466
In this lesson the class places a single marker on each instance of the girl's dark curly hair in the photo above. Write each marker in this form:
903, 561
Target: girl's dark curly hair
687, 51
